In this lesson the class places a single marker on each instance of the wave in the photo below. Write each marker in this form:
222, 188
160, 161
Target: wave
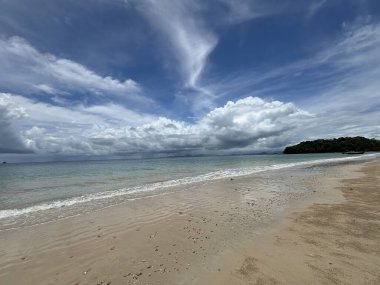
226, 173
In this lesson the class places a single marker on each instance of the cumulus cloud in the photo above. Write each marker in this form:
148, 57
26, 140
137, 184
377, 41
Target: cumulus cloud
25, 70
236, 126
43, 125
245, 125
10, 140
241, 123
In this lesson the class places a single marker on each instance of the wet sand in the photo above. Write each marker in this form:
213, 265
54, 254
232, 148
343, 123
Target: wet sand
221, 232
326, 243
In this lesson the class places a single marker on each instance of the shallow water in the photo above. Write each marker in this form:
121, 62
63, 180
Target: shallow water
37, 192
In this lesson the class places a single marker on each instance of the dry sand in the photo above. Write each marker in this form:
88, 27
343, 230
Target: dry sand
221, 232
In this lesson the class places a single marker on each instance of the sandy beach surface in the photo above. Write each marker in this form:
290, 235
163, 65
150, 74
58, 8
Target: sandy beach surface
301, 225
325, 243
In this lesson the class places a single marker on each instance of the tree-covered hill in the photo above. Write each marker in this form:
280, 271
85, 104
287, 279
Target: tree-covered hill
343, 144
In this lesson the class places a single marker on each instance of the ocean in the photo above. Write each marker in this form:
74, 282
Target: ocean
33, 193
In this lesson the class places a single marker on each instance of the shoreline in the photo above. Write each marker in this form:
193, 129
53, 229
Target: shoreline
41, 213
170, 239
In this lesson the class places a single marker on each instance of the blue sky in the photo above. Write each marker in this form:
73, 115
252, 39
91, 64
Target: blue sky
124, 78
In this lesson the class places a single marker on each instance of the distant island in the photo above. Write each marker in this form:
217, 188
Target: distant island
343, 144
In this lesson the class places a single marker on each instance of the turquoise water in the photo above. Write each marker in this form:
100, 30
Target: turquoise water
27, 188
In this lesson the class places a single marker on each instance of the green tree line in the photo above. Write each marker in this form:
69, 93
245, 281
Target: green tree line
343, 144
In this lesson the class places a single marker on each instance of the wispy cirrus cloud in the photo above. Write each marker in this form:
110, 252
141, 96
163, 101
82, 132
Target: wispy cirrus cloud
355, 63
345, 66
239, 11
186, 41
315, 7
184, 33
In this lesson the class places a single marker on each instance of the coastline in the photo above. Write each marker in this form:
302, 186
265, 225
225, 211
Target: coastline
181, 237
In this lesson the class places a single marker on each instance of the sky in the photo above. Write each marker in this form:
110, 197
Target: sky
147, 78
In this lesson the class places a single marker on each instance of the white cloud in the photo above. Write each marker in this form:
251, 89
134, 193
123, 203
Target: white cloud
237, 126
247, 124
10, 140
241, 123
44, 127
25, 70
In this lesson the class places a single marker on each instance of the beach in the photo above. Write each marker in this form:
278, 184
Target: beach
308, 224
174, 142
